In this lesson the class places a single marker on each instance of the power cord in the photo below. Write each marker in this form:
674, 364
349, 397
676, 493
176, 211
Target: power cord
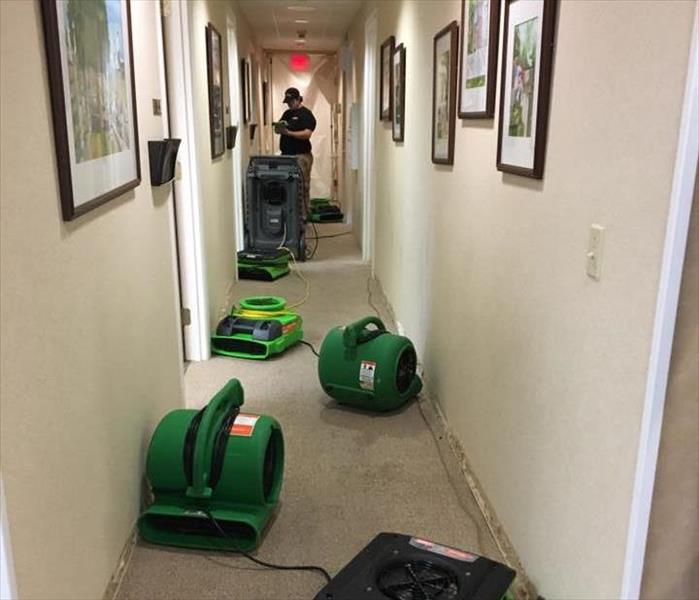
305, 343
263, 563
371, 302
315, 247
297, 271
333, 235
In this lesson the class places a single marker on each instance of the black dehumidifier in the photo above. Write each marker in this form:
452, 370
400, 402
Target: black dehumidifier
400, 567
274, 206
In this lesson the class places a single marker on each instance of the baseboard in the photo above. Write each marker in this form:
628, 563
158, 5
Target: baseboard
524, 589
453, 451
112, 589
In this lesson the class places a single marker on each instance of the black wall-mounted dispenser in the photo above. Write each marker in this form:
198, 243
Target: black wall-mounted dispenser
162, 155
231, 132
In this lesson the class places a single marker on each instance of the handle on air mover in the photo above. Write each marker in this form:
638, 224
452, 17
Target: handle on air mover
356, 333
229, 398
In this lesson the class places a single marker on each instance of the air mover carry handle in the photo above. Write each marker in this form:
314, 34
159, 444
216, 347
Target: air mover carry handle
356, 333
230, 397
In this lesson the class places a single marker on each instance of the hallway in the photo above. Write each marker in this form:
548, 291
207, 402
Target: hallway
348, 474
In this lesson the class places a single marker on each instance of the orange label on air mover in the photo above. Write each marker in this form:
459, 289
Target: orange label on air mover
288, 328
244, 425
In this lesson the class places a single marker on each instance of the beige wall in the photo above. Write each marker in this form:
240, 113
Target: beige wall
539, 369
351, 191
90, 355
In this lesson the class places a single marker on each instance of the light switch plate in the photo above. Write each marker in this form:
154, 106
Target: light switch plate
594, 251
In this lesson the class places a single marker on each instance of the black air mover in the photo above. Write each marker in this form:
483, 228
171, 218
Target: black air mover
400, 567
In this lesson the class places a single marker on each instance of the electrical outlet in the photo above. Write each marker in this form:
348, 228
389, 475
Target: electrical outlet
157, 108
594, 251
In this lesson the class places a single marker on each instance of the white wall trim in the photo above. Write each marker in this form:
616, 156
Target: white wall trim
236, 119
664, 326
8, 586
368, 136
187, 187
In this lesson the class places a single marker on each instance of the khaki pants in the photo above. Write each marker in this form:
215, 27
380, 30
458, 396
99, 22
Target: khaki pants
306, 163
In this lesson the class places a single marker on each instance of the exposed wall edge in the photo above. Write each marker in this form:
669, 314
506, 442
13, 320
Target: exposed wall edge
524, 589
112, 589
455, 461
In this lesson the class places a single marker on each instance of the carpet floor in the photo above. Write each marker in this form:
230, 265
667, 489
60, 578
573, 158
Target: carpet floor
349, 475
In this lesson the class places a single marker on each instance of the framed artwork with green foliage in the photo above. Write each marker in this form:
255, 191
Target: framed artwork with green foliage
526, 86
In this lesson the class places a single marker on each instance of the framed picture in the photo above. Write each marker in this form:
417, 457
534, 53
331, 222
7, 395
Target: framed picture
250, 90
526, 86
480, 20
245, 85
265, 101
214, 72
446, 44
91, 80
398, 91
386, 84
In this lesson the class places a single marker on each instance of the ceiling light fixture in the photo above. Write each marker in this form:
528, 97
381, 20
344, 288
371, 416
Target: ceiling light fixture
301, 21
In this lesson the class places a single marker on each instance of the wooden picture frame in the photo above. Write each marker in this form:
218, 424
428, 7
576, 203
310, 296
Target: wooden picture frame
444, 61
386, 79
398, 94
214, 73
245, 85
527, 66
265, 101
96, 140
480, 24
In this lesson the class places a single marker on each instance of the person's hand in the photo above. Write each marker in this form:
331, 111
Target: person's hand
283, 131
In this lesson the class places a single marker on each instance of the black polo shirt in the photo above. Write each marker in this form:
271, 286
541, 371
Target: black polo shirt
298, 119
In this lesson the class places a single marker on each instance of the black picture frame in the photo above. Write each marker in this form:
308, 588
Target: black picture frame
214, 73
486, 110
244, 84
398, 94
88, 156
386, 79
544, 64
444, 117
265, 92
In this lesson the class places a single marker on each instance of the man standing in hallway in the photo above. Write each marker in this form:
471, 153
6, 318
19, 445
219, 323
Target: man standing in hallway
296, 137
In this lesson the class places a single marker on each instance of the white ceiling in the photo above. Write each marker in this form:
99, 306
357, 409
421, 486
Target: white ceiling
275, 28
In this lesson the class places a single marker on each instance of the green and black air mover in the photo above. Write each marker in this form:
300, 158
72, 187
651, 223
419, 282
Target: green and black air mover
323, 210
213, 466
368, 368
260, 328
263, 266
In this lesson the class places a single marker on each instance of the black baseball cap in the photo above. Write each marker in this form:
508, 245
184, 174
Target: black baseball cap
291, 94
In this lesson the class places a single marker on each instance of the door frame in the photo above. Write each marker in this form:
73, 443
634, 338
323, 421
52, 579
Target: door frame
190, 247
368, 136
681, 196
8, 584
236, 119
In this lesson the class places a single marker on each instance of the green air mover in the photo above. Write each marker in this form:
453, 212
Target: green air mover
217, 462
323, 210
263, 266
261, 327
368, 368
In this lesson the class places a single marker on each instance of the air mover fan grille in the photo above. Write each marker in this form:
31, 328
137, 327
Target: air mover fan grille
407, 366
240, 346
273, 192
417, 580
